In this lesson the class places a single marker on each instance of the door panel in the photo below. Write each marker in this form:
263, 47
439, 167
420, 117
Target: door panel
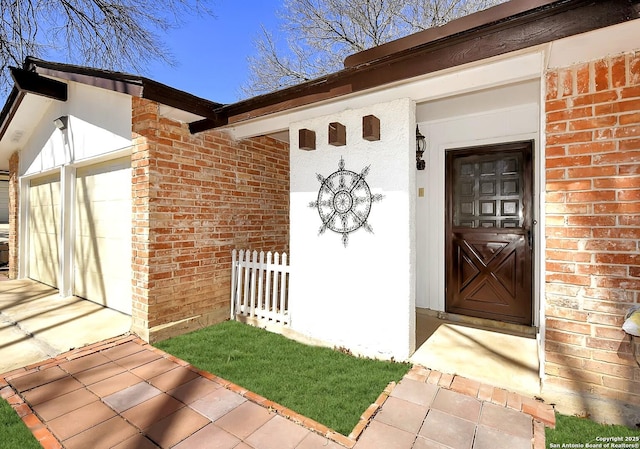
4, 201
44, 230
488, 232
102, 244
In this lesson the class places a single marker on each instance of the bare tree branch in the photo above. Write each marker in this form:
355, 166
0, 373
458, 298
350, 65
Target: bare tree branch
110, 34
317, 35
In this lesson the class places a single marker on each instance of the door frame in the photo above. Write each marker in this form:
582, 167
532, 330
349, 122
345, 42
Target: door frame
529, 219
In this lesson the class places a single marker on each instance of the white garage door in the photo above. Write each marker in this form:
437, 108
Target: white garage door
44, 230
102, 243
4, 201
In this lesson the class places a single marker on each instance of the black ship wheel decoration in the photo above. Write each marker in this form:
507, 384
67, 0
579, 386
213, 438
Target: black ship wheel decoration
344, 202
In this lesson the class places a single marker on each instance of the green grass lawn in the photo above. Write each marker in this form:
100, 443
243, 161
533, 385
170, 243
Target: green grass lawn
13, 433
582, 431
328, 386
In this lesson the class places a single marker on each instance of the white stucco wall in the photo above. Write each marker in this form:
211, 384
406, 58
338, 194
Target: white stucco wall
361, 297
499, 115
99, 123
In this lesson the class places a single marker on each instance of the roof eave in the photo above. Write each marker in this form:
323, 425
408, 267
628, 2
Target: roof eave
133, 85
41, 77
501, 32
9, 110
466, 24
31, 82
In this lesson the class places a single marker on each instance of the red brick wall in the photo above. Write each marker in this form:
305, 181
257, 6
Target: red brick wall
14, 203
593, 225
196, 197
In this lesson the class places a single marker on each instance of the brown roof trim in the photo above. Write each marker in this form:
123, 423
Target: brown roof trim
502, 29
133, 85
466, 24
35, 78
115, 81
9, 109
152, 90
31, 82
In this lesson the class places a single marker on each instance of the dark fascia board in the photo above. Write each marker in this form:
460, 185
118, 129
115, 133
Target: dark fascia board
31, 82
36, 78
105, 80
9, 109
179, 99
133, 85
28, 82
464, 24
499, 30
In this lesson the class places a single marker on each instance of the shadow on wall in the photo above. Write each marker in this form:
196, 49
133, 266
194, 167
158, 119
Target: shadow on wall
587, 399
43, 222
88, 250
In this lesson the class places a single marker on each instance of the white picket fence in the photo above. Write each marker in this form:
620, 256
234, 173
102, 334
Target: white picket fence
259, 287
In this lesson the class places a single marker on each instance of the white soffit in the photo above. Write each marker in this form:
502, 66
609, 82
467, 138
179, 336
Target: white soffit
479, 101
28, 116
476, 76
282, 136
596, 44
178, 114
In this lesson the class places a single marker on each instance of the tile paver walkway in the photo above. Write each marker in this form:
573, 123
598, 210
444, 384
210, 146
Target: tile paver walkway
122, 393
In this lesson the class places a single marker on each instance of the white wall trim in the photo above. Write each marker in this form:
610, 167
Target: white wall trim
67, 195
596, 44
540, 246
40, 174
115, 154
23, 233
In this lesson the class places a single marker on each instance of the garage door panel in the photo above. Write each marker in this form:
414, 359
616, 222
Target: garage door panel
4, 201
102, 252
105, 290
44, 230
102, 243
101, 228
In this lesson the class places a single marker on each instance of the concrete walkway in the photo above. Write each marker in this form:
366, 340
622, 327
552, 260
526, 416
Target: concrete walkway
123, 393
36, 323
488, 356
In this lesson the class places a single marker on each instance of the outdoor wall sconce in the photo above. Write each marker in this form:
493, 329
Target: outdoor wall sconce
632, 322
61, 122
632, 327
370, 128
306, 139
421, 144
337, 134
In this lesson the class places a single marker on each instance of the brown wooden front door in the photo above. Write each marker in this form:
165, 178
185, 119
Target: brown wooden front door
489, 232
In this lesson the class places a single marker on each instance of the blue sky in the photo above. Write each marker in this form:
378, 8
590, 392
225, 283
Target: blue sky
212, 52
